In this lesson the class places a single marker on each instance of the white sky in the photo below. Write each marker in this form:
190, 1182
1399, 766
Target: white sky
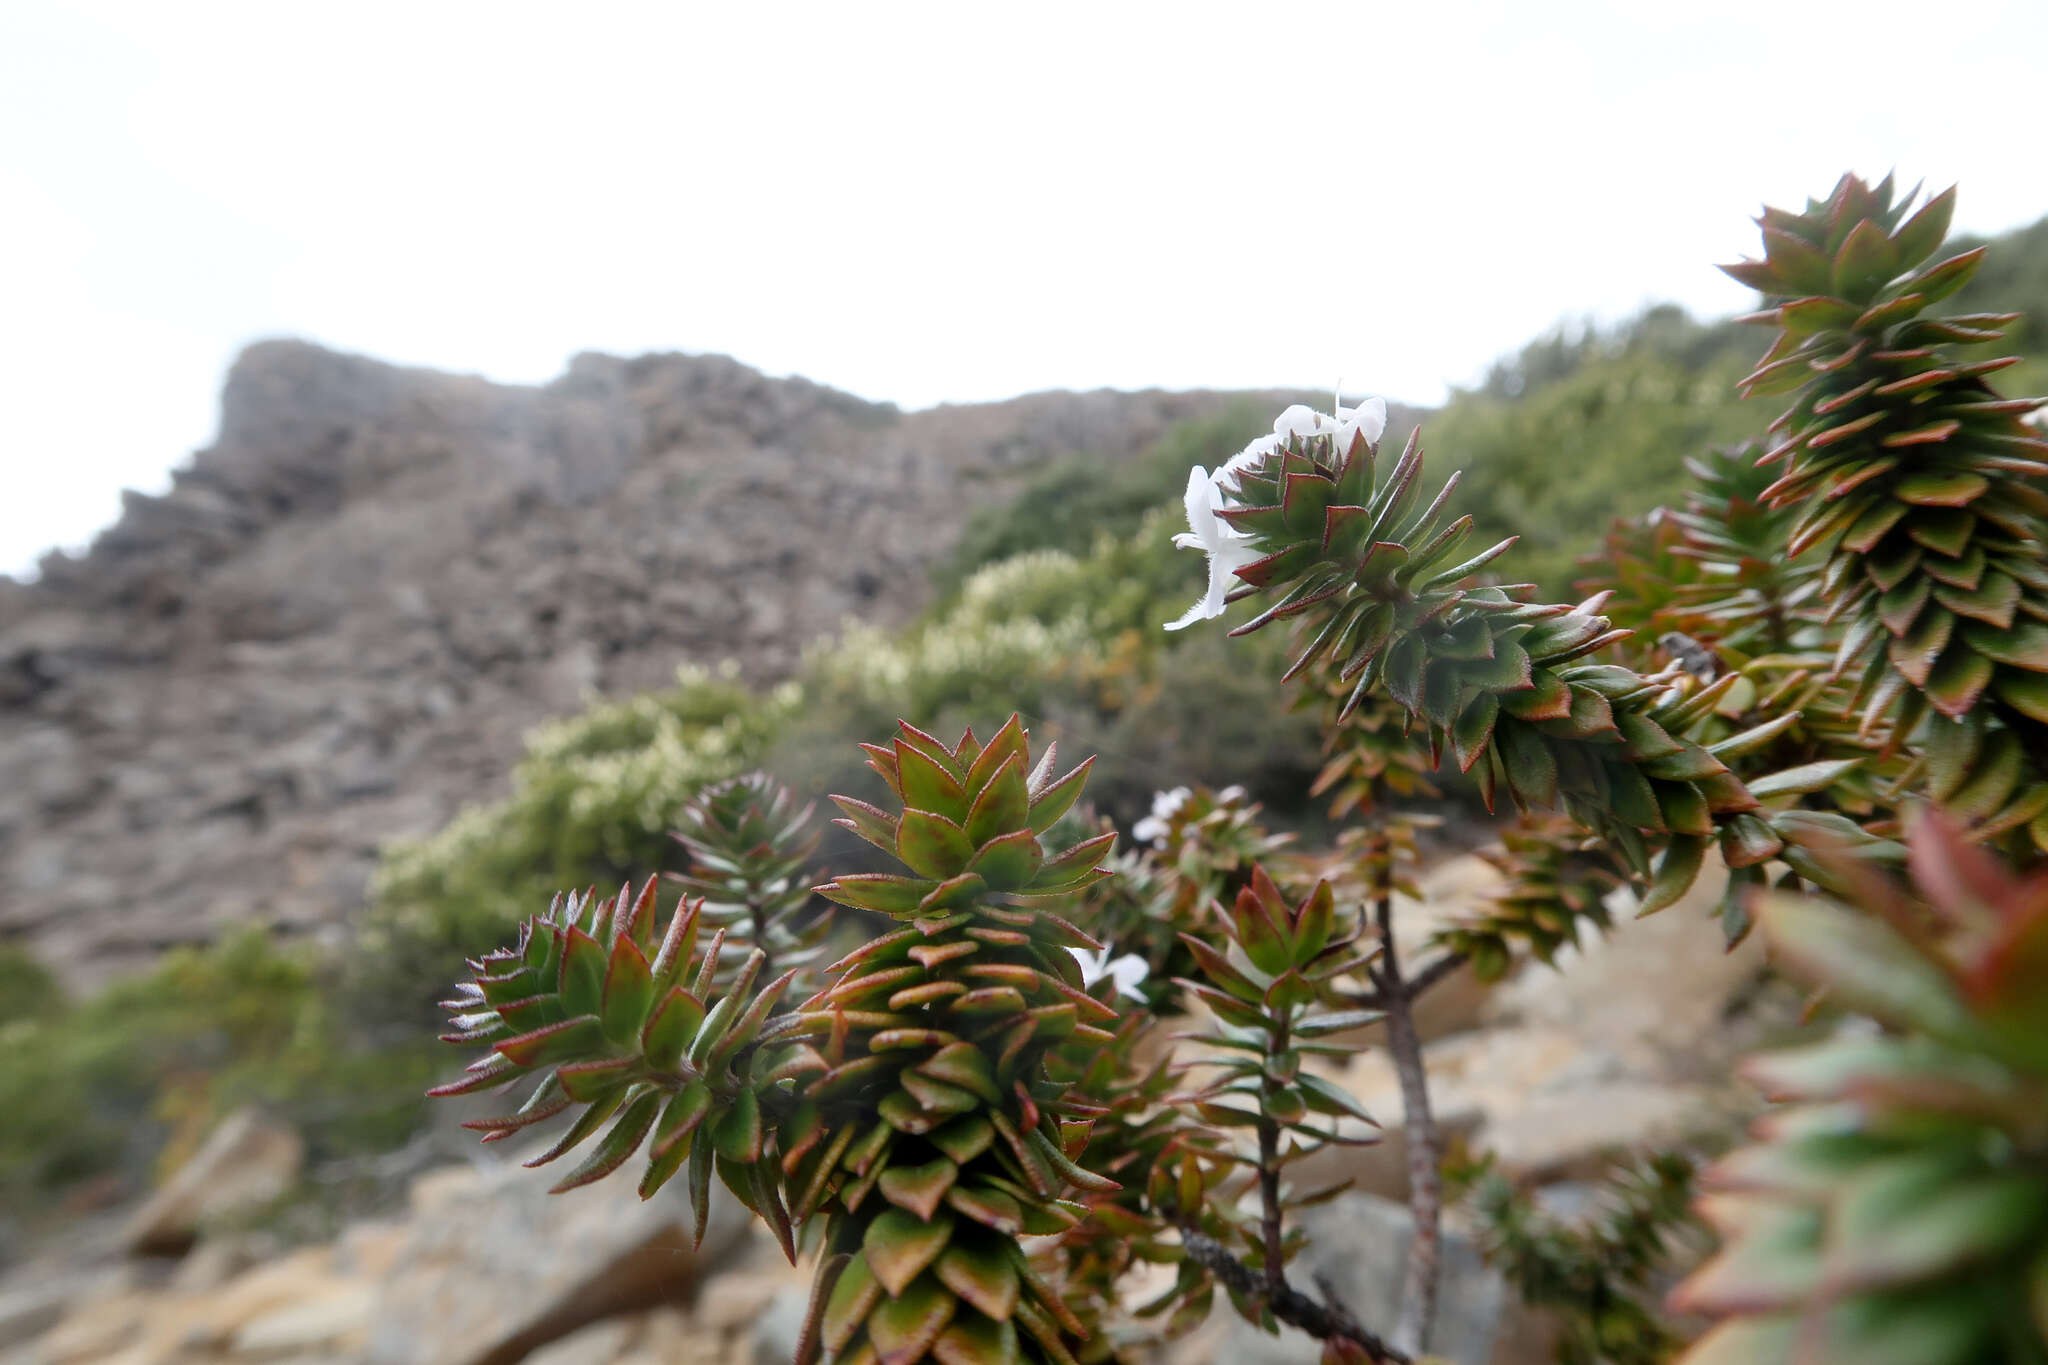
923, 204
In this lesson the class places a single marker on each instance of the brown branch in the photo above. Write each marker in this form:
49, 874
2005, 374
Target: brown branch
1269, 1175
1433, 973
1323, 1321
1425, 1187
1269, 1205
1414, 987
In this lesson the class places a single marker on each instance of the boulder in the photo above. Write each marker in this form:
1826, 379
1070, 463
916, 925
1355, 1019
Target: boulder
1655, 993
159, 1327
247, 1162
1623, 1045
493, 1267
1358, 1248
31, 1305
335, 1321
1450, 891
780, 1325
601, 1343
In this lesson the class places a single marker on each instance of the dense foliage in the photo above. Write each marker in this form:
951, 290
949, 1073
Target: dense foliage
134, 1076
973, 1121
1853, 634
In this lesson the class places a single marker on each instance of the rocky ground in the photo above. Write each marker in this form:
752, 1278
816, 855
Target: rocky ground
337, 626
1551, 1070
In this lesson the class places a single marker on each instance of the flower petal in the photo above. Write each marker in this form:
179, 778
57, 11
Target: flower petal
1369, 418
1252, 456
1299, 419
1200, 502
1129, 970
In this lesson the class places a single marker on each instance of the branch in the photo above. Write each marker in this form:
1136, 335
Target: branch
1323, 1321
1425, 1188
1433, 973
1269, 1205
1269, 1176
1414, 987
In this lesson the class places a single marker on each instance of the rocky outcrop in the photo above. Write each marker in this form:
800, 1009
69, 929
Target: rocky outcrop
483, 1268
247, 1162
493, 1268
336, 627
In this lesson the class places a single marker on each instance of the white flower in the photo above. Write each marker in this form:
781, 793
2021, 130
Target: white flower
1228, 548
1369, 417
1127, 970
1153, 827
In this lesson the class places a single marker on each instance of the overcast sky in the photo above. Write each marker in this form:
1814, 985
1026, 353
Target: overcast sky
921, 204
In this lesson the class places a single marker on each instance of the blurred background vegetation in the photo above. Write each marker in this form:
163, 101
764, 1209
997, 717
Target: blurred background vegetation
1050, 606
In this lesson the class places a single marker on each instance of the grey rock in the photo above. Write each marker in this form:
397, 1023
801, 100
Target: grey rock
1358, 1247
780, 1326
248, 1161
471, 1285
339, 624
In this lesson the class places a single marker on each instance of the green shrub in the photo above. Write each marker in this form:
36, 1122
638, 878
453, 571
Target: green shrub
137, 1074
1574, 433
1074, 502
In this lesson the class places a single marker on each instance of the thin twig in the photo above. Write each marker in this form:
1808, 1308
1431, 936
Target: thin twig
1415, 987
1425, 1188
1269, 1204
1433, 973
1322, 1321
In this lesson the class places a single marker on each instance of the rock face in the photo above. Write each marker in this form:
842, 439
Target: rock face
1358, 1247
485, 1268
247, 1162
467, 1287
336, 627
1626, 1045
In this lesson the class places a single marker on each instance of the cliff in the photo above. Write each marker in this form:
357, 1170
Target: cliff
337, 625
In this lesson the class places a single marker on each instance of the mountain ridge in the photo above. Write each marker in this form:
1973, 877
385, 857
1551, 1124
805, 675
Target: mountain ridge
341, 620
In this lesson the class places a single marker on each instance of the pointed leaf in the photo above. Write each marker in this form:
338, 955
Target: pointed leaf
1049, 805
1864, 964
987, 1206
898, 1245
1007, 862
963, 1139
891, 895
1676, 872
927, 786
854, 1295
1002, 806
919, 1189
981, 1271
977, 1341
628, 992
581, 982
670, 1028
903, 1329
932, 845
571, 1040
737, 1132
618, 1144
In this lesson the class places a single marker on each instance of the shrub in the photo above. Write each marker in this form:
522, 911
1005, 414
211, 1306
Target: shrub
971, 1078
137, 1075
